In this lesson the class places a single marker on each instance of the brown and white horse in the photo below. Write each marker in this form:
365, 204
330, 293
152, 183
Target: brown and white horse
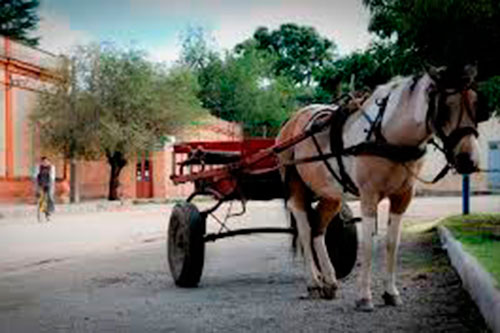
407, 113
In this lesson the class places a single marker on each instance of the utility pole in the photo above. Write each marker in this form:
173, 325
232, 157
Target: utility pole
73, 166
465, 195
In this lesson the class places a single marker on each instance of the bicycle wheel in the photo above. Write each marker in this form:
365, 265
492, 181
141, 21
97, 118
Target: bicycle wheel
42, 207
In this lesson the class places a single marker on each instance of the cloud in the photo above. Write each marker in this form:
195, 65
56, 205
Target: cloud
166, 53
231, 22
56, 34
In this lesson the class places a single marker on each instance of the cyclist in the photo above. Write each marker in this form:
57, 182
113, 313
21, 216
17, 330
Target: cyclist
45, 181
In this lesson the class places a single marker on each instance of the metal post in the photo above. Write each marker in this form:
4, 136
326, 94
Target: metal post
465, 194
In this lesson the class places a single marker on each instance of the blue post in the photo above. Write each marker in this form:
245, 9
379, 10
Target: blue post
465, 195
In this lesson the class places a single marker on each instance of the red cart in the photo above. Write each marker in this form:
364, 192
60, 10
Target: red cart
236, 170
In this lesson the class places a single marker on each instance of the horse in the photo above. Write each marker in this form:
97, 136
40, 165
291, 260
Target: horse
375, 152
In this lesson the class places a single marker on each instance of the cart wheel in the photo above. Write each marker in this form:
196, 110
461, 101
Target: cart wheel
186, 247
342, 242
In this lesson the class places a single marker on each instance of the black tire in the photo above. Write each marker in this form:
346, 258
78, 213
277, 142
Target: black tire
186, 247
342, 242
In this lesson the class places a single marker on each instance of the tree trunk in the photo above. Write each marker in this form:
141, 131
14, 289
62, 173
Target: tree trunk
117, 161
74, 192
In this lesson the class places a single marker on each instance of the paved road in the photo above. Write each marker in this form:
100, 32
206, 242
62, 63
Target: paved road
107, 272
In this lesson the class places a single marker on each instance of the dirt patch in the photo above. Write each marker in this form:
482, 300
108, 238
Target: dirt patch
434, 287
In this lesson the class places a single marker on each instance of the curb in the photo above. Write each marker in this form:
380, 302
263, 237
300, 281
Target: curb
479, 283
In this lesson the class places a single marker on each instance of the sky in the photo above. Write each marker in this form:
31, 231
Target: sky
157, 26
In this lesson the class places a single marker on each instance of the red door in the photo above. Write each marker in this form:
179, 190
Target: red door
144, 177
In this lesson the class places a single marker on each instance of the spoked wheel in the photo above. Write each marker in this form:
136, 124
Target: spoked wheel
342, 242
186, 247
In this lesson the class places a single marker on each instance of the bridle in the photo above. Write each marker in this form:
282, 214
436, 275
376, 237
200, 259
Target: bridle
436, 120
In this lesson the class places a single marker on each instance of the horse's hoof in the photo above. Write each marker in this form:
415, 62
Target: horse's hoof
392, 300
314, 293
364, 305
329, 291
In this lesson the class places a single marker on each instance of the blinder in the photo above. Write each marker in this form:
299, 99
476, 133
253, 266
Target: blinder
438, 114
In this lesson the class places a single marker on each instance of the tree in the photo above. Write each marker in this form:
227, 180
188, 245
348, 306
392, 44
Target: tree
243, 88
376, 65
447, 32
18, 18
301, 53
121, 103
196, 50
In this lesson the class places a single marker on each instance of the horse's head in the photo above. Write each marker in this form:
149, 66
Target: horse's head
455, 110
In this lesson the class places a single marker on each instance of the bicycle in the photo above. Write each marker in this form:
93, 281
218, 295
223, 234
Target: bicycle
43, 206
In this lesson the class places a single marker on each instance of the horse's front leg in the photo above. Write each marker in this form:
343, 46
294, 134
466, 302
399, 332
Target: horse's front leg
398, 205
369, 216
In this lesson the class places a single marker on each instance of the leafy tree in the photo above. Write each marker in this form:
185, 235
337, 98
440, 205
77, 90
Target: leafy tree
446, 32
18, 18
301, 53
196, 50
121, 104
243, 88
376, 65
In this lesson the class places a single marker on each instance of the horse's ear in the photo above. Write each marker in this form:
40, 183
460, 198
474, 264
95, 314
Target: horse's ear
469, 74
436, 73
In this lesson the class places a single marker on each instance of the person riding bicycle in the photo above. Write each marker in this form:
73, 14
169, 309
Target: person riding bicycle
45, 182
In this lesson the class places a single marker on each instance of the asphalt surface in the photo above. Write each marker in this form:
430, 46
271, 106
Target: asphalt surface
107, 272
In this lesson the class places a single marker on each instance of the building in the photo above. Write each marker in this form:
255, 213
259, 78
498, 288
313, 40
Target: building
23, 73
482, 182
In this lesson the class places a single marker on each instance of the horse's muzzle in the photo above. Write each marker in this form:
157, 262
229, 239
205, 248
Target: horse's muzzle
464, 164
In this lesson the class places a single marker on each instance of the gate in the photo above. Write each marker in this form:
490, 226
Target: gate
494, 164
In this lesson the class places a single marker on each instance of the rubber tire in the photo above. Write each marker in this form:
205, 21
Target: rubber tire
185, 244
341, 240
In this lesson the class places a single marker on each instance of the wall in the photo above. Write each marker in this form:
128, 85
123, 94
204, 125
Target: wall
205, 129
452, 183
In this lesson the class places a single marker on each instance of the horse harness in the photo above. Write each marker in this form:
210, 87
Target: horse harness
375, 143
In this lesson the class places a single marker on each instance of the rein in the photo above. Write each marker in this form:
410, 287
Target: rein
379, 146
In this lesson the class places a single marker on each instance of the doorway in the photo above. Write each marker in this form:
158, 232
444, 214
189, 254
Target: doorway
144, 176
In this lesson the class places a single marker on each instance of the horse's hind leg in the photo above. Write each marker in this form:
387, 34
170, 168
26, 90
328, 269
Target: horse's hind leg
299, 204
327, 209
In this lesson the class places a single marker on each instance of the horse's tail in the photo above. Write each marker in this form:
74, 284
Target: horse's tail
290, 174
286, 175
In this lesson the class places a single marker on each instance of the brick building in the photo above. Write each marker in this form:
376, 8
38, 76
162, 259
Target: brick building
23, 72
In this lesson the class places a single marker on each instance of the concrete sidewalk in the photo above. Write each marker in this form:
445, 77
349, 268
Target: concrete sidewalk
16, 211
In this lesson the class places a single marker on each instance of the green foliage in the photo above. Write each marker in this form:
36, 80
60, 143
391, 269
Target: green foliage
446, 32
300, 52
137, 102
376, 65
480, 236
242, 88
491, 90
66, 121
18, 18
115, 103
195, 51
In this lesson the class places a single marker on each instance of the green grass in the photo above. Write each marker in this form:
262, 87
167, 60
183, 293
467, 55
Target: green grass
480, 236
423, 253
